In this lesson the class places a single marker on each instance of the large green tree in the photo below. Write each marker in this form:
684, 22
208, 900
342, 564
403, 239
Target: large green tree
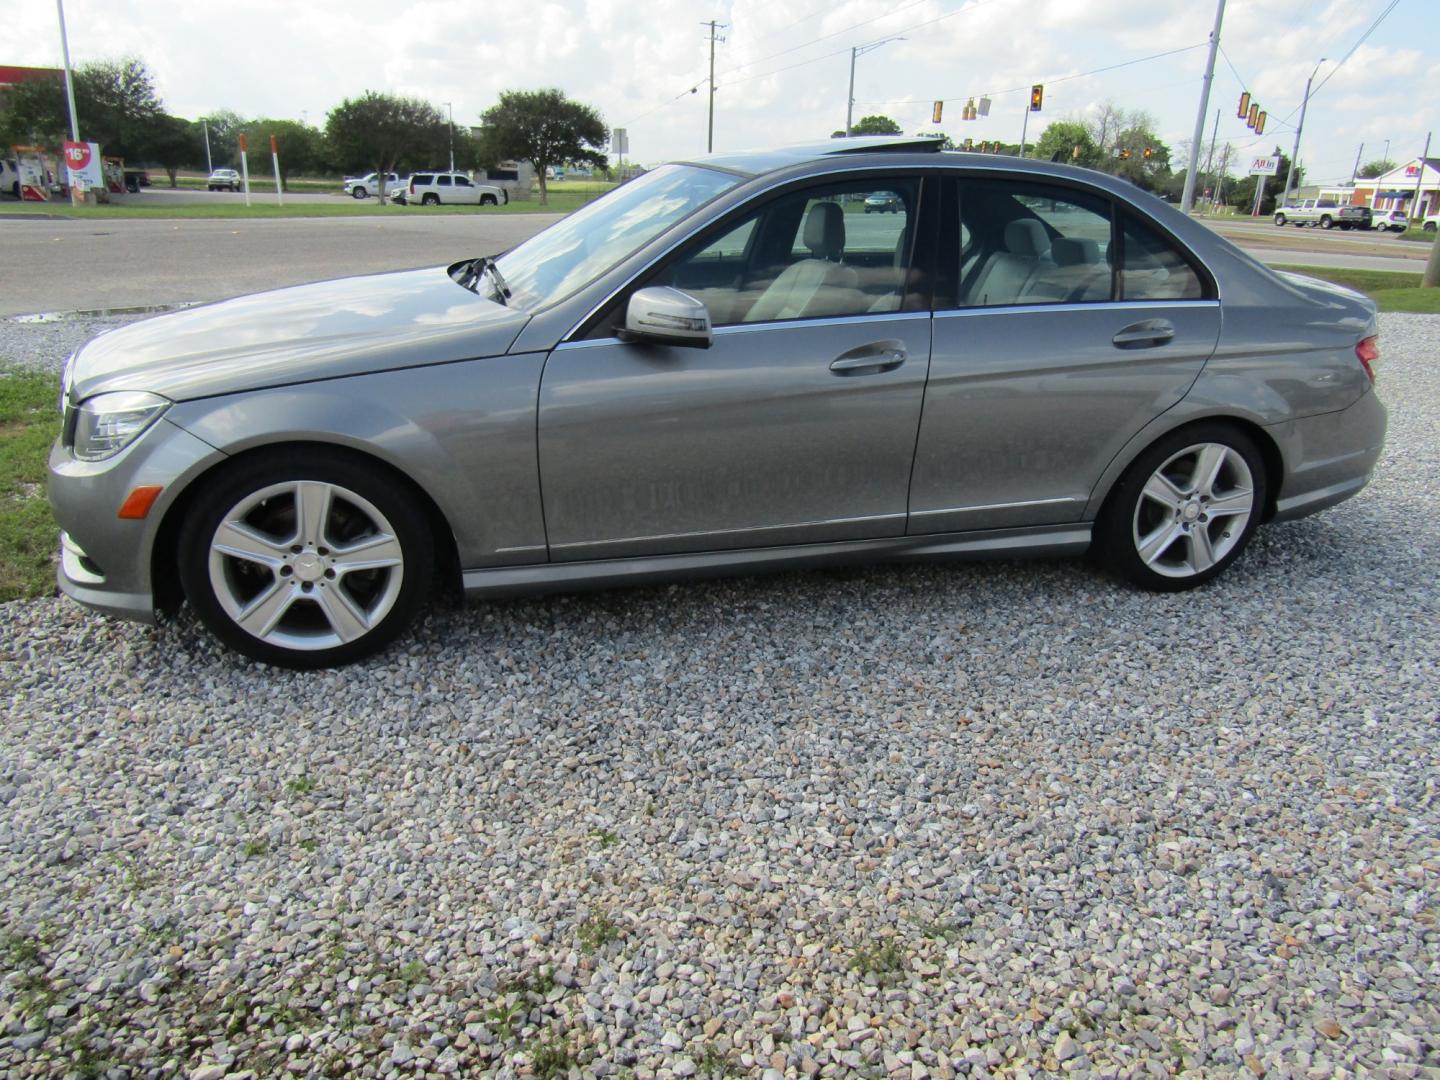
545, 128
380, 132
116, 104
875, 125
1372, 169
173, 143
1070, 140
303, 150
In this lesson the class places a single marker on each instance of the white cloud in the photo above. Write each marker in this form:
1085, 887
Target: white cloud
637, 61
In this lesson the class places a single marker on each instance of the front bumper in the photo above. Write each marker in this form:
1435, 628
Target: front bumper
106, 560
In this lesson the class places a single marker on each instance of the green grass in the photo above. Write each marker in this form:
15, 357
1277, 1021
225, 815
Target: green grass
1418, 234
1391, 290
29, 423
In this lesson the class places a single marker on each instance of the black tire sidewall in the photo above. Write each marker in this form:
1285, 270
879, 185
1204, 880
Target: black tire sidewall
387, 494
1113, 534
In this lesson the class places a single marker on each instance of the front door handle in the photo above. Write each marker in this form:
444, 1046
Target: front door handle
870, 359
1145, 334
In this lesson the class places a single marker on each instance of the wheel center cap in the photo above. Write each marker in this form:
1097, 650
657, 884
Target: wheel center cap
1190, 513
308, 567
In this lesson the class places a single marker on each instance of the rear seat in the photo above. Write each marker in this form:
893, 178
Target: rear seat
1007, 274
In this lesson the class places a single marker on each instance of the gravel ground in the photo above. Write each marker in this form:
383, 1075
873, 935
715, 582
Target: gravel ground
986, 819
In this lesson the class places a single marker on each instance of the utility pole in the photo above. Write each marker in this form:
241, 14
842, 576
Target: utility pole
205, 124
1419, 176
855, 52
1024, 127
1356, 170
69, 89
1187, 200
1218, 184
710, 128
450, 110
1210, 157
1295, 154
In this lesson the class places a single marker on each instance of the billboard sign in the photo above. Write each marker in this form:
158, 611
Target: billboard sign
82, 160
1264, 166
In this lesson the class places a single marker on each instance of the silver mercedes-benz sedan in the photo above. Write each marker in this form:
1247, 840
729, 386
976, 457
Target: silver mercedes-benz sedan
723, 365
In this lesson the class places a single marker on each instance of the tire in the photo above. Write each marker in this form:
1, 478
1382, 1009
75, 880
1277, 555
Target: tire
489, 200
1429, 226
430, 199
1280, 220
1344, 226
358, 193
1150, 527
269, 591
1327, 222
210, 187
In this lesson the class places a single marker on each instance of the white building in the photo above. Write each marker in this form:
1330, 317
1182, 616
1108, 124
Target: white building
1396, 189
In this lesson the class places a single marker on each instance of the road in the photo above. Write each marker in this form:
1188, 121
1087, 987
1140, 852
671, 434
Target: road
74, 264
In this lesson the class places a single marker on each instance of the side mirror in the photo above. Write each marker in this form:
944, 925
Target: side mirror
666, 316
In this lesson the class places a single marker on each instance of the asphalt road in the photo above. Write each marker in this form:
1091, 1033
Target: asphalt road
81, 264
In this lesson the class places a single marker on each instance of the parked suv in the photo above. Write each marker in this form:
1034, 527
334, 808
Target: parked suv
433, 188
223, 180
362, 187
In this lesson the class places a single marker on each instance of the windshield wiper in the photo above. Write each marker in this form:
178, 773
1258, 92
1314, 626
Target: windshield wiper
469, 272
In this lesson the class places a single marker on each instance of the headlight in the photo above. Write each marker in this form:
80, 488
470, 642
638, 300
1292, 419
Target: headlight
107, 423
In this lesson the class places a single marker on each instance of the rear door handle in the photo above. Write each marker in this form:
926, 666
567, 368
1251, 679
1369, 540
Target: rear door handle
869, 360
1145, 334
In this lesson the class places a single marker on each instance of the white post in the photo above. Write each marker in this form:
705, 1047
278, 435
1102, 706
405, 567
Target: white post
1187, 200
1024, 127
75, 200
275, 160
245, 169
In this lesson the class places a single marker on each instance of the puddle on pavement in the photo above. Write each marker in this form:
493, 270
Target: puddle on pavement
96, 313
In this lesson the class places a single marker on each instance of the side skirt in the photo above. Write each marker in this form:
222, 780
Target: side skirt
645, 570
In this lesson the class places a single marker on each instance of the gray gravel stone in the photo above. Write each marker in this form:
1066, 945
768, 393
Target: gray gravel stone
923, 820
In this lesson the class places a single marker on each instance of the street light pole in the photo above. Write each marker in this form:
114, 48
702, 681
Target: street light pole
451, 112
1295, 153
715, 27
1187, 199
855, 52
69, 89
205, 125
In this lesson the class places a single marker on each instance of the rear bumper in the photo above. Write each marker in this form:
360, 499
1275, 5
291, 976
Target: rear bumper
1330, 457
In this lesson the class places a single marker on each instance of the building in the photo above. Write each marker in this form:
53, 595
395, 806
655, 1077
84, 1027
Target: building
1397, 189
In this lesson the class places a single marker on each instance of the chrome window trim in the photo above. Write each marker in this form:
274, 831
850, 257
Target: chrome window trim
779, 324
1101, 305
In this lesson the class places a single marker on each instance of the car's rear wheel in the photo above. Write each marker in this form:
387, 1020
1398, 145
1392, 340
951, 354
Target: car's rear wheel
307, 560
1327, 222
430, 199
1185, 509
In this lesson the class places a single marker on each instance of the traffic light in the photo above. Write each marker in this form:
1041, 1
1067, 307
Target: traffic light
1125, 155
1148, 153
936, 111
1037, 97
1244, 105
1254, 116
1260, 123
969, 144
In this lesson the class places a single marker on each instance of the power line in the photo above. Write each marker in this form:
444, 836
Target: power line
1378, 20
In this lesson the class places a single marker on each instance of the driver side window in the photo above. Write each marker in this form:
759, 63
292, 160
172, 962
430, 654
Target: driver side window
819, 253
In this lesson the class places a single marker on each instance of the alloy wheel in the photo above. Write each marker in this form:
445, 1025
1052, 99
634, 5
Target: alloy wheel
1193, 510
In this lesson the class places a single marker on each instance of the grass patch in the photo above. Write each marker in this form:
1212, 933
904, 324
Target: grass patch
882, 959
1391, 290
29, 423
1423, 236
597, 932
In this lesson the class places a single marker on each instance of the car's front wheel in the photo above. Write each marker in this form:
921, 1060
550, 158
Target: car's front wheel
359, 192
306, 560
488, 200
1280, 219
1185, 509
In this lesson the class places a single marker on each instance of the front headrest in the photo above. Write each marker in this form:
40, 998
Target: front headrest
1026, 237
1068, 251
825, 230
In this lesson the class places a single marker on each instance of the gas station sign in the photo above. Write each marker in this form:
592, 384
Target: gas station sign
82, 159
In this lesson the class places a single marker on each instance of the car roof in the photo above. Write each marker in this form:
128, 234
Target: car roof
755, 162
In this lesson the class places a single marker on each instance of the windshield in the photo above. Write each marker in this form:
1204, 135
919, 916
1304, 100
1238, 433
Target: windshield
576, 250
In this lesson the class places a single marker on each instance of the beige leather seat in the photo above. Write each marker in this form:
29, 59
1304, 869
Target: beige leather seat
1007, 274
818, 286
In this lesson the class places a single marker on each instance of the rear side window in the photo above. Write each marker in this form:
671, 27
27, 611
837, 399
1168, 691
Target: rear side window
443, 181
1025, 243
1153, 268
421, 178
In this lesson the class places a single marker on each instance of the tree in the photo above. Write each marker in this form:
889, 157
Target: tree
946, 143
875, 125
1376, 168
1071, 140
115, 102
1147, 173
302, 147
380, 131
225, 126
172, 143
545, 128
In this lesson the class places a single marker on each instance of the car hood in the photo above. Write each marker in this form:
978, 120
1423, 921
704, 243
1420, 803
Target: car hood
350, 326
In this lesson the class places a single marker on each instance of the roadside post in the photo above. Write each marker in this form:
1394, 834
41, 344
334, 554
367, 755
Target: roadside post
275, 160
245, 167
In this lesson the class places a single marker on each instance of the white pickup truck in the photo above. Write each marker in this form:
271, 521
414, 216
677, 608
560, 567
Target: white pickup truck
1325, 213
362, 187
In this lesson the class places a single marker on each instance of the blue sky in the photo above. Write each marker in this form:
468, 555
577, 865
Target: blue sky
782, 70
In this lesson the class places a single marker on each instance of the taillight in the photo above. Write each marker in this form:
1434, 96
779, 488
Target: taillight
412, 186
1367, 352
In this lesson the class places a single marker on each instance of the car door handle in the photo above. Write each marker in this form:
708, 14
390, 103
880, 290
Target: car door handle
869, 360
1144, 335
